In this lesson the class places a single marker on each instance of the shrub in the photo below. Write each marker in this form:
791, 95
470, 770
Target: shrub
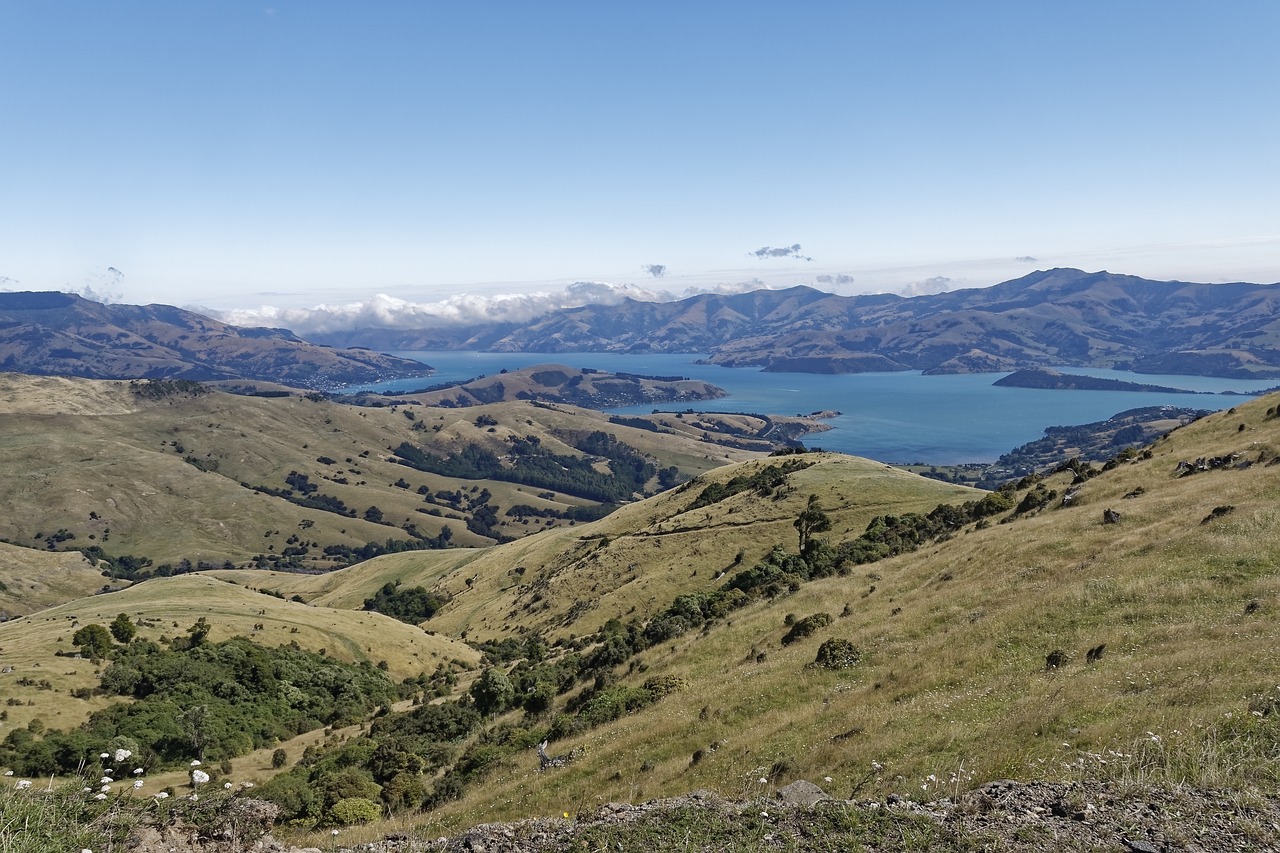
663, 685
806, 627
837, 653
354, 810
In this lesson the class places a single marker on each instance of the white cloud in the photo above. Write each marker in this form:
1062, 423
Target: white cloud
933, 284
390, 312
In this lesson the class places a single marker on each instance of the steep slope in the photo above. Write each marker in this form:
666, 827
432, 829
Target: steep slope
975, 654
65, 334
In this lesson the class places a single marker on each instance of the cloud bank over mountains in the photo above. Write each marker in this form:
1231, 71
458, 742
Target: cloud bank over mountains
391, 312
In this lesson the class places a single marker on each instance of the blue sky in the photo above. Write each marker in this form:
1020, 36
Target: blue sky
235, 155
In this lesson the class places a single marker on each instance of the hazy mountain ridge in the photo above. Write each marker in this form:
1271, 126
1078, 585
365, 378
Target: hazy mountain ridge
64, 334
1050, 318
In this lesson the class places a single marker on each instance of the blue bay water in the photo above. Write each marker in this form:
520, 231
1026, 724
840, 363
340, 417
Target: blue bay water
892, 417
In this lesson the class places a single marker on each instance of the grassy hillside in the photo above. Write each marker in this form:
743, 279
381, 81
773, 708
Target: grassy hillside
954, 683
32, 580
186, 476
634, 562
1127, 632
1051, 643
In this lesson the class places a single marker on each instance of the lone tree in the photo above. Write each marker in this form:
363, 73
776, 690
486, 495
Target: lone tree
93, 640
812, 520
123, 629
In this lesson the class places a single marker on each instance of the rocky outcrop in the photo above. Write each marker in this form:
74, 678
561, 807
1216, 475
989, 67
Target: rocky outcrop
1000, 815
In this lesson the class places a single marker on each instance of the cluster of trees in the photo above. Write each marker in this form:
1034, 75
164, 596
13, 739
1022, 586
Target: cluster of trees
308, 496
570, 513
763, 482
889, 535
352, 554
192, 698
158, 389
412, 605
430, 754
540, 468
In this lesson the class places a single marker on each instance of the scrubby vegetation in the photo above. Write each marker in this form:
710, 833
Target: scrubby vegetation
533, 465
412, 605
200, 699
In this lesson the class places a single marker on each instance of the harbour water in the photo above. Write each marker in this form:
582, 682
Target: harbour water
893, 417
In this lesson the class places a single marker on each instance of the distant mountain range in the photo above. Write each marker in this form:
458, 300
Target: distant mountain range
1053, 318
51, 333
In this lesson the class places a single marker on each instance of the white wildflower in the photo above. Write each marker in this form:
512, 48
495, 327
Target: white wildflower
8, 772
105, 780
247, 784
137, 784
199, 777
105, 788
122, 754
99, 796
104, 755
138, 771
162, 796
23, 784
195, 762
226, 786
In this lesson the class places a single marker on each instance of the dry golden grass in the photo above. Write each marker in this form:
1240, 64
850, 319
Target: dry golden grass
631, 563
31, 580
955, 636
89, 458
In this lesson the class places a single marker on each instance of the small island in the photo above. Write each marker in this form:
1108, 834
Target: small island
553, 383
1045, 378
